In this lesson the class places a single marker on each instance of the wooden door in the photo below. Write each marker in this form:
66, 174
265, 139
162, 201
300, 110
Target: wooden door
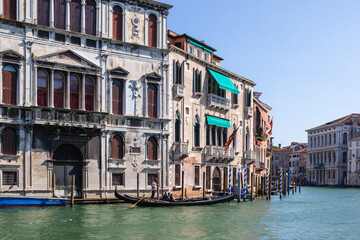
117, 24
152, 101
75, 15
43, 17
9, 9
59, 14
90, 17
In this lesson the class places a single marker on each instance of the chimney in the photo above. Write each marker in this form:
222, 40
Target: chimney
279, 145
354, 125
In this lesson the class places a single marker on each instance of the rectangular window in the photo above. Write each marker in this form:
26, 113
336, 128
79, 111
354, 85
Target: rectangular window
178, 44
206, 57
234, 177
151, 178
198, 53
9, 178
208, 169
118, 179
43, 34
177, 175
191, 50
59, 37
197, 176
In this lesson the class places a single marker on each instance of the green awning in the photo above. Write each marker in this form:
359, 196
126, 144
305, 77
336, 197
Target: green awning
220, 122
200, 46
224, 82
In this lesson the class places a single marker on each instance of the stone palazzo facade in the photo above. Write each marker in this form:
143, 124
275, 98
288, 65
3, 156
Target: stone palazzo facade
328, 150
85, 92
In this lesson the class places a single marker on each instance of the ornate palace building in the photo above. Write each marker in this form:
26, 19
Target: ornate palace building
208, 103
84, 92
328, 150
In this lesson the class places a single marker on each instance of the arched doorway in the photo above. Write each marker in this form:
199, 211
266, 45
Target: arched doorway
67, 162
216, 179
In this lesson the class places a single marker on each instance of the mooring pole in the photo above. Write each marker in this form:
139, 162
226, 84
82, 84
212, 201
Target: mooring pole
295, 182
257, 186
252, 186
72, 190
54, 183
281, 183
270, 181
239, 187
300, 185
288, 183
137, 185
182, 185
204, 185
293, 185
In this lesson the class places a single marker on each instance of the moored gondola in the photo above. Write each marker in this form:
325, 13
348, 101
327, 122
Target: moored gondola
160, 203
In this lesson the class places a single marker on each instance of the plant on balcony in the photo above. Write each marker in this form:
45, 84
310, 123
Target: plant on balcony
268, 153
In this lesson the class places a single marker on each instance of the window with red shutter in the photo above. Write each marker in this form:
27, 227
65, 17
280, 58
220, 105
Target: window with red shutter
89, 93
59, 13
152, 101
74, 91
117, 147
9, 77
9, 9
117, 24
59, 90
42, 88
90, 17
152, 146
43, 17
117, 97
152, 33
75, 15
9, 141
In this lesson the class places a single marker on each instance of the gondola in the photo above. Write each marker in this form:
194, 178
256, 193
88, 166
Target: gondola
160, 203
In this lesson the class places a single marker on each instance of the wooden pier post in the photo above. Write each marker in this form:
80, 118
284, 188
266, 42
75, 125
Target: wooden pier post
300, 185
157, 191
137, 185
293, 185
257, 186
204, 185
182, 185
72, 190
296, 179
225, 183
239, 187
54, 183
270, 179
252, 186
288, 182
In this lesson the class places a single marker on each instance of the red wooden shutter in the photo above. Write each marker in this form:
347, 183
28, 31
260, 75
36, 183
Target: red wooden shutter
9, 142
152, 33
117, 98
117, 23
117, 147
152, 101
42, 88
59, 15
152, 149
89, 94
9, 9
43, 12
74, 92
90, 17
177, 175
9, 85
75, 15
58, 90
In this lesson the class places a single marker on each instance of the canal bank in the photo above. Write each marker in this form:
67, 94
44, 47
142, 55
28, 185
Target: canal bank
315, 213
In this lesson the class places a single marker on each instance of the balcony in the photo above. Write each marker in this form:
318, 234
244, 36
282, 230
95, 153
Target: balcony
217, 153
218, 102
248, 112
180, 150
179, 91
250, 157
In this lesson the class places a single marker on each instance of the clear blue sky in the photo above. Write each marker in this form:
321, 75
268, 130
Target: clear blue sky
303, 55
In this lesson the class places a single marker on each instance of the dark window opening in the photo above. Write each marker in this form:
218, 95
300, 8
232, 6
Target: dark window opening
9, 141
178, 44
118, 179
152, 149
152, 32
9, 9
91, 43
197, 175
59, 37
43, 34
75, 40
151, 178
177, 175
9, 178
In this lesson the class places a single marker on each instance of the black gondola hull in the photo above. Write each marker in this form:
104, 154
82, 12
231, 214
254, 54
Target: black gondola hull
159, 203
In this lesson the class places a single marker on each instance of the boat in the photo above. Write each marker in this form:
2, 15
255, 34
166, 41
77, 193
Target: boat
160, 203
24, 201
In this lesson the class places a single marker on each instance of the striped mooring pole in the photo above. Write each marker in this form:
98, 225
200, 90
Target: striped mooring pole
245, 177
267, 182
281, 181
230, 179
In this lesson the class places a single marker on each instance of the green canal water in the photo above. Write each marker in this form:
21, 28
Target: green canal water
315, 213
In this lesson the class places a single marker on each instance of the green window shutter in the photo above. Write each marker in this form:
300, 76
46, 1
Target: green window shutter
200, 79
182, 73
194, 81
174, 71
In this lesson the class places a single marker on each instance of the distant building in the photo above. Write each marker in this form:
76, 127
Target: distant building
354, 162
298, 161
328, 150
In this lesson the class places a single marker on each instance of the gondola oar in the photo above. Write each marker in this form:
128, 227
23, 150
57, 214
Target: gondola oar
140, 200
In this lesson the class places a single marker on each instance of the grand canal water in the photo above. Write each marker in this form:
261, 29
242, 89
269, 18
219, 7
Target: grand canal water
315, 213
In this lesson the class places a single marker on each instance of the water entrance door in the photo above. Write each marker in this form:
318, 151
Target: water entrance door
216, 180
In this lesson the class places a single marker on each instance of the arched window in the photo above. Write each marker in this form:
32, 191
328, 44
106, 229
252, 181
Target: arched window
152, 147
247, 140
89, 93
117, 147
75, 15
43, 7
117, 23
59, 13
152, 101
9, 141
177, 127
197, 131
117, 97
74, 91
9, 77
345, 138
90, 17
152, 33
9, 9
58, 90
197, 76
42, 88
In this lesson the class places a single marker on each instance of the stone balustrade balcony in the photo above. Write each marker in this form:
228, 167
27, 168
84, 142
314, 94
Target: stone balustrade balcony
180, 150
179, 91
218, 154
218, 102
